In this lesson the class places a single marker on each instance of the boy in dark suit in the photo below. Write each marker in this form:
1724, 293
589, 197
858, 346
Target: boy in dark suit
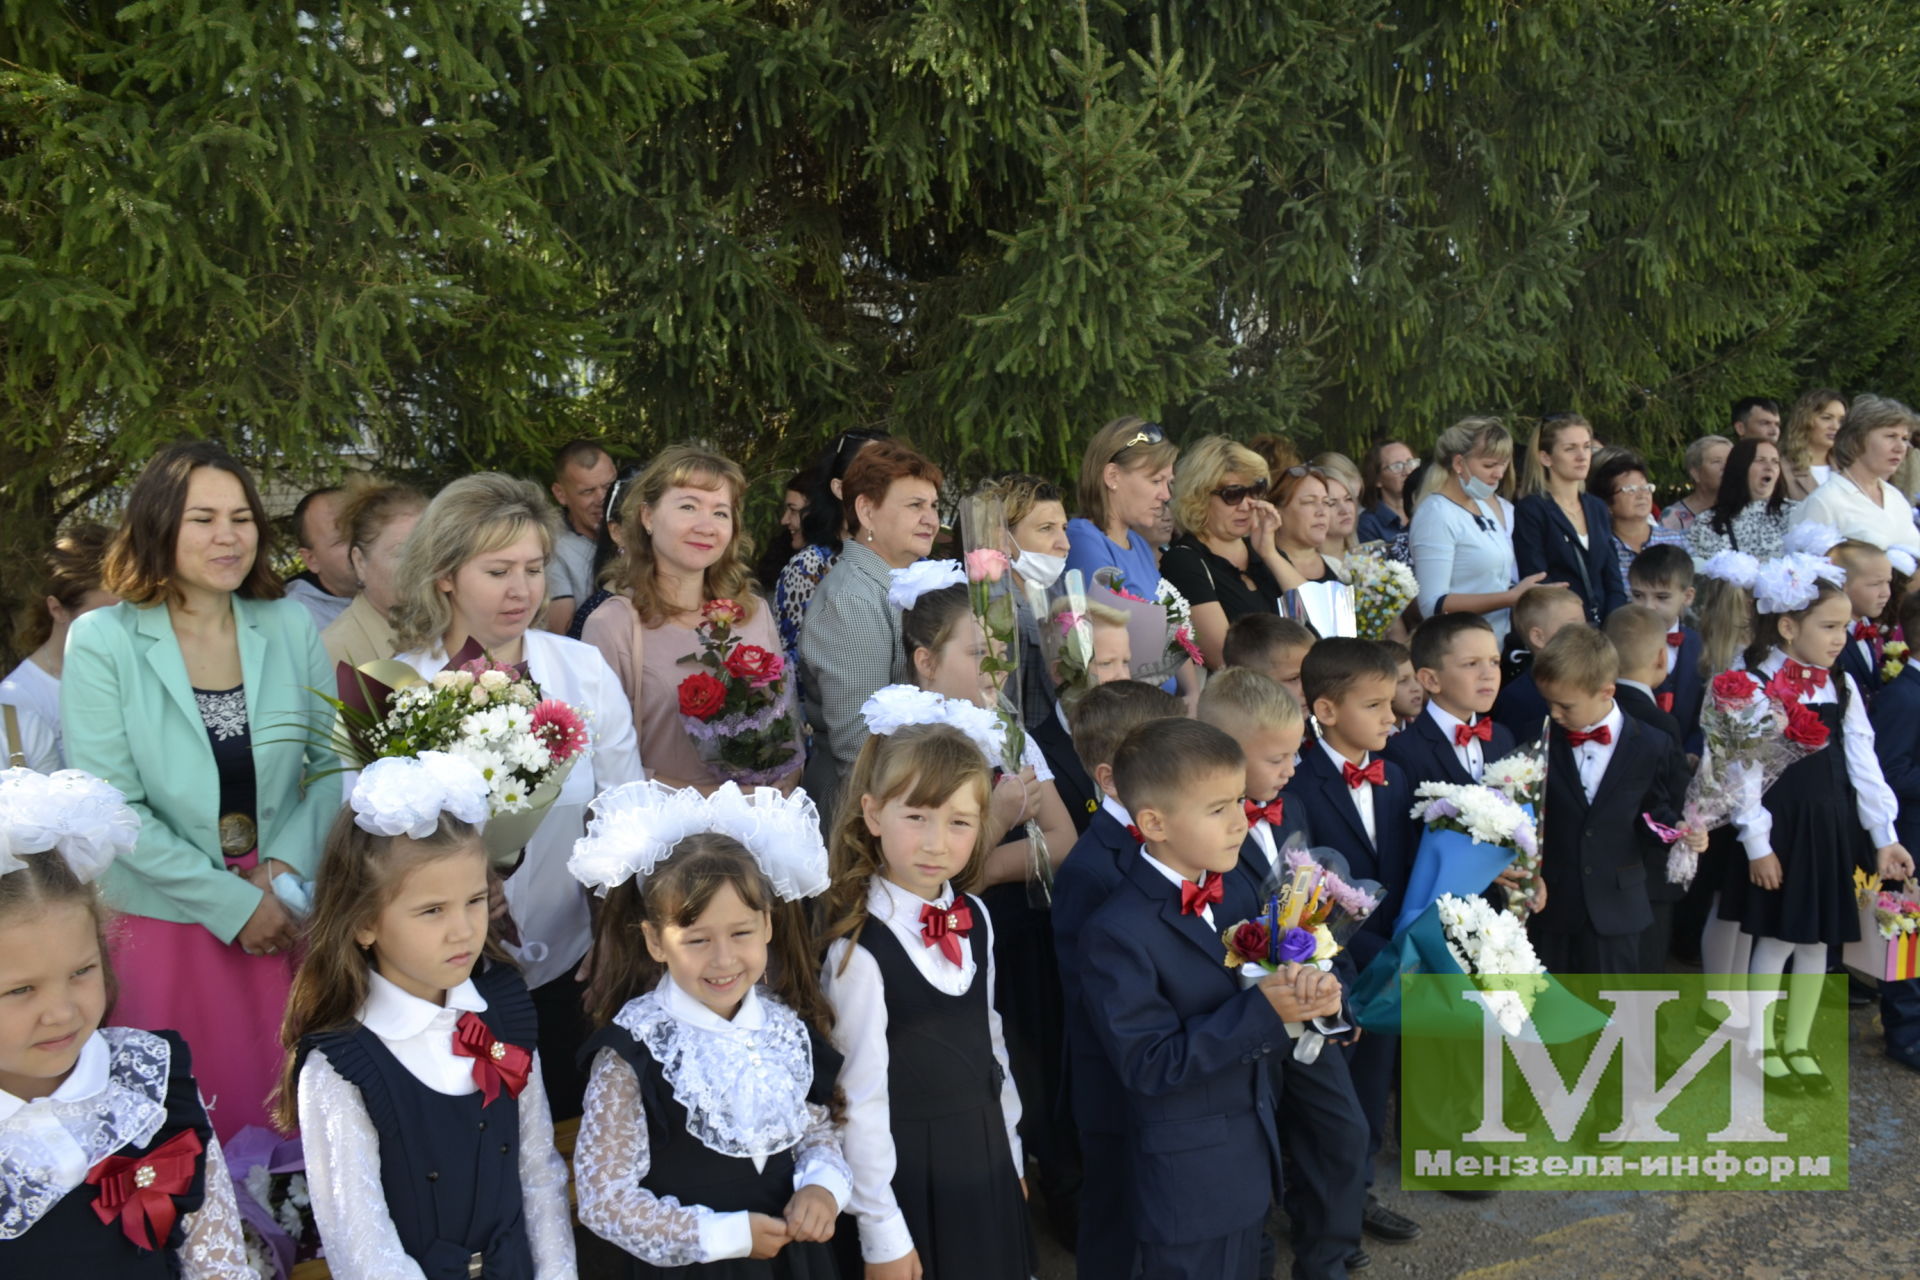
1639, 638
1272, 645
1869, 587
1538, 617
1360, 804
1101, 719
1185, 1037
1457, 660
1896, 740
1111, 660
1661, 579
1323, 1132
1604, 770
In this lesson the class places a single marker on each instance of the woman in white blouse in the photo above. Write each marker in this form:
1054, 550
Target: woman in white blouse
1461, 536
1857, 498
475, 569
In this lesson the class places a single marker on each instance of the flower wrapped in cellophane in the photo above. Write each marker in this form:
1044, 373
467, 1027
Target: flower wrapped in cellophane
1752, 731
1382, 589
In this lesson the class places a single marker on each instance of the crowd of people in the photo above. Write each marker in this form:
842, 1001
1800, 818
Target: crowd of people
902, 1076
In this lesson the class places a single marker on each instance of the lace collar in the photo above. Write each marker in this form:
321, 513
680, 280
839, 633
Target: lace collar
743, 1083
47, 1145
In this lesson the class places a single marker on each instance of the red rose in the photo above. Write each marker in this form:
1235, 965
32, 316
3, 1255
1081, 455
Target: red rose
1248, 942
755, 665
1732, 689
702, 696
722, 611
1805, 727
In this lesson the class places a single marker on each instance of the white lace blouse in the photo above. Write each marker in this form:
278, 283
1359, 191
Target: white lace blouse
343, 1148
744, 1085
115, 1097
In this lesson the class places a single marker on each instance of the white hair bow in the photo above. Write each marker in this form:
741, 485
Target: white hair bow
87, 821
405, 795
637, 825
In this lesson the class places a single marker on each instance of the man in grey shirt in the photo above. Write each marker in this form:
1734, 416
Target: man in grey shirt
582, 474
327, 586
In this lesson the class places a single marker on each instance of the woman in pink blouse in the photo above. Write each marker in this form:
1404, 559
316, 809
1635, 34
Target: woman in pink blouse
680, 521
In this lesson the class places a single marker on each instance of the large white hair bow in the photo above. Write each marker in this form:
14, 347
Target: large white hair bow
896, 706
86, 820
637, 825
917, 579
405, 795
1792, 582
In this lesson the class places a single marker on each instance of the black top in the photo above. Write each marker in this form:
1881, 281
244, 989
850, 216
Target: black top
1204, 577
224, 712
70, 1240
450, 1167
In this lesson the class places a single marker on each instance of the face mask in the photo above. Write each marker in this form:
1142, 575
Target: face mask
1040, 570
1476, 488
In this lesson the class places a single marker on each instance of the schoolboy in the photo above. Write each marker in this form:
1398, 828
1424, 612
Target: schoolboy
1361, 805
1639, 638
1456, 658
1408, 696
1111, 660
1101, 719
1538, 617
1896, 739
1869, 587
1323, 1131
1186, 1039
1604, 771
1272, 644
1661, 579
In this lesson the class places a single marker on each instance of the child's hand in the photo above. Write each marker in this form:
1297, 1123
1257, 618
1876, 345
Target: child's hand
810, 1214
1696, 840
769, 1235
906, 1268
1512, 878
1016, 798
1895, 862
1765, 872
1293, 999
1539, 902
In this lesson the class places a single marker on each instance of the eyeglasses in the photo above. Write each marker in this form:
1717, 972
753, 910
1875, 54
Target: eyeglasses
1148, 434
1235, 494
1400, 467
1632, 488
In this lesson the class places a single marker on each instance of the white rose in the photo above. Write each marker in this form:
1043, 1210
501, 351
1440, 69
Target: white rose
445, 679
494, 681
477, 696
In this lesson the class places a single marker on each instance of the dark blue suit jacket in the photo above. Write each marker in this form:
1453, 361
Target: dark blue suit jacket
1896, 740
1086, 878
1688, 687
1247, 882
1425, 754
1520, 709
1544, 542
1077, 790
1319, 787
1600, 860
1865, 672
1190, 1047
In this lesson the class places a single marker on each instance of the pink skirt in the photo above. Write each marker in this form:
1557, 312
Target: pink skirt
226, 1003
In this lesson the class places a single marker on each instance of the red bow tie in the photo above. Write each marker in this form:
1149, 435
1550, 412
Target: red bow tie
1195, 898
1866, 631
1578, 737
1135, 833
1803, 679
1273, 812
943, 927
139, 1190
1465, 733
1664, 701
495, 1062
1676, 638
1375, 773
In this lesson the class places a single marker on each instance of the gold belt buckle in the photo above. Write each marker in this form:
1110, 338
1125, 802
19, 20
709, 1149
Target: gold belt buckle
475, 1266
238, 835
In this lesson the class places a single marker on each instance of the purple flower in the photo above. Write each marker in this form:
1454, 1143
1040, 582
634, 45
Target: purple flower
1296, 946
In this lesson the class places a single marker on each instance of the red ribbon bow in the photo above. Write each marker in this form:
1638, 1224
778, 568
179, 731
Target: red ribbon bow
1195, 898
943, 927
495, 1062
1465, 733
139, 1190
1579, 737
1273, 812
1135, 833
1676, 638
1802, 679
1375, 773
1664, 701
1866, 631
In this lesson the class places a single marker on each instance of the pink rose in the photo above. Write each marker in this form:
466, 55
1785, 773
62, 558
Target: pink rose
984, 564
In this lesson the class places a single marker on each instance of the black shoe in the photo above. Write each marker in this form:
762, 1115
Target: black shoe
1358, 1260
1471, 1193
1788, 1085
1813, 1082
1383, 1223
1859, 994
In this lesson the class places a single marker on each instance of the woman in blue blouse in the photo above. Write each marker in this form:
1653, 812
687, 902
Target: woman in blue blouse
1383, 493
1460, 536
1561, 530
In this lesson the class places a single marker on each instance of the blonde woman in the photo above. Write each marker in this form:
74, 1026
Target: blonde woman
1344, 487
1461, 535
680, 525
1226, 563
1807, 442
474, 569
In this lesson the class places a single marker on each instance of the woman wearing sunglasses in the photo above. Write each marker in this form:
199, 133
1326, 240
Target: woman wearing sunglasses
1225, 562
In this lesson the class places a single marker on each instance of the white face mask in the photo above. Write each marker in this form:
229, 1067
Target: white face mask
1040, 570
1476, 487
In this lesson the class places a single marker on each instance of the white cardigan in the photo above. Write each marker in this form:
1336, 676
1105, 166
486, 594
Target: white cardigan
549, 905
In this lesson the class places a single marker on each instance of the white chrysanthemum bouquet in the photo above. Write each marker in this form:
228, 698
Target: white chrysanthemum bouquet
1488, 943
1382, 589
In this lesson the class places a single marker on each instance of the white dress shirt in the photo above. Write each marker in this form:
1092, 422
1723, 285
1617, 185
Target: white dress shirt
614, 1152
1362, 795
343, 1148
1471, 757
1262, 833
1175, 878
1673, 650
1592, 758
1116, 810
860, 1033
1874, 801
548, 904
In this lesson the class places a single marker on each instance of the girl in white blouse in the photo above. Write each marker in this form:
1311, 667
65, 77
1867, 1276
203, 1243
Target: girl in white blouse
411, 1068
710, 1145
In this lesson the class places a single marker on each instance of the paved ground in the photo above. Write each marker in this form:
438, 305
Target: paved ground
1867, 1233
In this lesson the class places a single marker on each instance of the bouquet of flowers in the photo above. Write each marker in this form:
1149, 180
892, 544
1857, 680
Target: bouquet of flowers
1489, 943
1893, 658
1382, 589
736, 708
1498, 832
1896, 912
1178, 646
1748, 727
1889, 945
488, 713
276, 1212
1520, 777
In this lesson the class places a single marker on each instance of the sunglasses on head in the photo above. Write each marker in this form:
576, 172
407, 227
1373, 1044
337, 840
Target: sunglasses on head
1235, 494
1148, 434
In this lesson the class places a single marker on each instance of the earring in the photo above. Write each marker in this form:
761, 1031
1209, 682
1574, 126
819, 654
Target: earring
869, 535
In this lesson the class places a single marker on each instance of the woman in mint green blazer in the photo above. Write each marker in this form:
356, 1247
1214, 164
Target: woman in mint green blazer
193, 697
